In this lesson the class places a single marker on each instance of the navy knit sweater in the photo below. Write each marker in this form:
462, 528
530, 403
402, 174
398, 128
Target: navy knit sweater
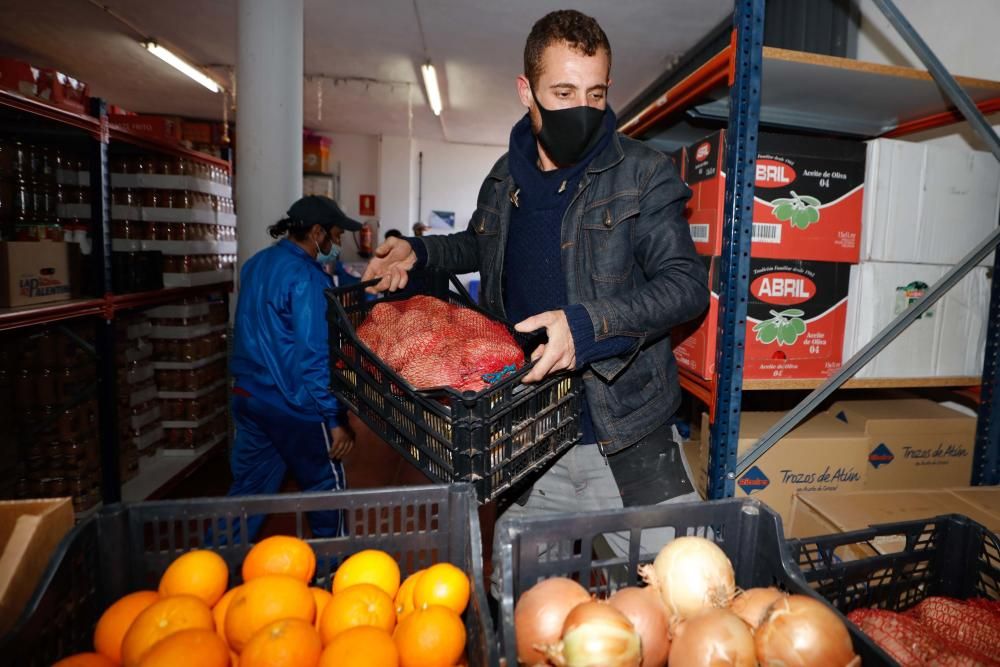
533, 277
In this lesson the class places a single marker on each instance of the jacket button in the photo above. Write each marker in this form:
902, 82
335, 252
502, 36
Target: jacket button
607, 218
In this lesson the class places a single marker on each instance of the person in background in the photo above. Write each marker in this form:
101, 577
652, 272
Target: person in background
580, 231
285, 415
419, 228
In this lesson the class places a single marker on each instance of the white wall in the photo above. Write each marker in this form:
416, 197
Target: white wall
962, 33
356, 156
452, 176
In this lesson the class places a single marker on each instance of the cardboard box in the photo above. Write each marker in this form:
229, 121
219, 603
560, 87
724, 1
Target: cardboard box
948, 340
316, 154
822, 455
805, 301
984, 498
927, 204
18, 76
158, 127
823, 514
197, 132
912, 443
61, 90
36, 272
808, 199
30, 531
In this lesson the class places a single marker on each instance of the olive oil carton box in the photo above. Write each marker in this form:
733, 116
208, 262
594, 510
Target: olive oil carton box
795, 321
822, 456
912, 443
808, 196
33, 272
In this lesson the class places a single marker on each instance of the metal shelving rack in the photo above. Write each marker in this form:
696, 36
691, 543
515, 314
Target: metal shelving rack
743, 81
51, 122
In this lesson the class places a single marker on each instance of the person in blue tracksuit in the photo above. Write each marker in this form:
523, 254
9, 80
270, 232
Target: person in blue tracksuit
285, 415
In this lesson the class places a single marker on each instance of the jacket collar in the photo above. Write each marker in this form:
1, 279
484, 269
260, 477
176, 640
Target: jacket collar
611, 155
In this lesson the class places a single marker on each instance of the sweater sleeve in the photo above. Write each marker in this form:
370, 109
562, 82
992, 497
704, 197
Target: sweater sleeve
588, 349
419, 249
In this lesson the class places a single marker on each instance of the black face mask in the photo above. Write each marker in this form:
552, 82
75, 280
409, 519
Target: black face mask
567, 134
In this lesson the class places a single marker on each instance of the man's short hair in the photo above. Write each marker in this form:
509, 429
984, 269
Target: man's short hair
581, 32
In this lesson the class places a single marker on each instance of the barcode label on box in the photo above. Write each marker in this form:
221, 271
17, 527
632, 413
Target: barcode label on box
699, 233
765, 232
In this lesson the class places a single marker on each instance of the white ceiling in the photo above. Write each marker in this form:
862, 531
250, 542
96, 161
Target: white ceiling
476, 47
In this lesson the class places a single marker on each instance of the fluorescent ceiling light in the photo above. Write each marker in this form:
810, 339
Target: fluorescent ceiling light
176, 62
431, 86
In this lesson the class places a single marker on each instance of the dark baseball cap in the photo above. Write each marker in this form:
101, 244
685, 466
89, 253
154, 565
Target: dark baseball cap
322, 211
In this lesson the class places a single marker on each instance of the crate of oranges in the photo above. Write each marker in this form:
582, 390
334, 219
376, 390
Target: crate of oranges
172, 583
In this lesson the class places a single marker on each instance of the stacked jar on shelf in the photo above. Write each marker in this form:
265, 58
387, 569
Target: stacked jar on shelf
141, 429
180, 207
189, 342
38, 198
47, 394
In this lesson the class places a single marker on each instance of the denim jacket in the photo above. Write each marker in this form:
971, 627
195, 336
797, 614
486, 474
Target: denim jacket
627, 257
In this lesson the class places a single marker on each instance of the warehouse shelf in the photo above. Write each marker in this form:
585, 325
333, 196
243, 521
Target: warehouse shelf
123, 135
40, 109
731, 80
160, 473
819, 93
27, 316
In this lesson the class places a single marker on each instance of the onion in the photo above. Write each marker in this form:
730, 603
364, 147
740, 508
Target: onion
596, 634
751, 605
691, 574
714, 638
540, 613
644, 609
799, 630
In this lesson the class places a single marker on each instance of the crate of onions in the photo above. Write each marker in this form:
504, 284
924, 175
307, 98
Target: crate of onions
926, 591
721, 590
439, 379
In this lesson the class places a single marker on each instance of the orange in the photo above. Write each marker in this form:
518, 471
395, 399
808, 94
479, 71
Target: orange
404, 597
261, 601
430, 637
322, 598
370, 566
190, 648
234, 659
280, 554
363, 646
289, 642
220, 609
162, 619
87, 660
200, 573
442, 584
116, 620
363, 604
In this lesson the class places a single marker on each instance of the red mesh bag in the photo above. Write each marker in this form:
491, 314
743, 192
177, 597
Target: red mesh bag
432, 343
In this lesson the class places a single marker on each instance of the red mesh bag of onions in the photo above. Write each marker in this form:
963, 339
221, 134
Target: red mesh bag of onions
432, 343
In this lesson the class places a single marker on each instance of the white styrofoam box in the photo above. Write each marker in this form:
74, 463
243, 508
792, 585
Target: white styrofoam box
947, 341
927, 204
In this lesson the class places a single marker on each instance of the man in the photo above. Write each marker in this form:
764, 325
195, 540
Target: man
285, 416
580, 231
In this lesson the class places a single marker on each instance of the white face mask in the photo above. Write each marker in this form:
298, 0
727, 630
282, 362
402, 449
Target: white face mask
327, 257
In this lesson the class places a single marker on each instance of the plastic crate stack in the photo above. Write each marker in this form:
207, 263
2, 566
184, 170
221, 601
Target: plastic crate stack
189, 348
48, 405
138, 407
173, 223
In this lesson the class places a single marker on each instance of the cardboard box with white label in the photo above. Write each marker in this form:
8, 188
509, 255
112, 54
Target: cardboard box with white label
947, 340
33, 272
822, 455
912, 443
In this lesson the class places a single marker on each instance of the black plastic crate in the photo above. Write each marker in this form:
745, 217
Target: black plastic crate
563, 545
127, 548
492, 439
948, 555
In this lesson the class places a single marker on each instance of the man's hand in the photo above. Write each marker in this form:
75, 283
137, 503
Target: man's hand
556, 355
341, 441
391, 262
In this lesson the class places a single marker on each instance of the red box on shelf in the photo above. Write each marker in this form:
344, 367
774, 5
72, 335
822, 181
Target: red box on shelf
18, 76
795, 321
808, 199
156, 127
62, 91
